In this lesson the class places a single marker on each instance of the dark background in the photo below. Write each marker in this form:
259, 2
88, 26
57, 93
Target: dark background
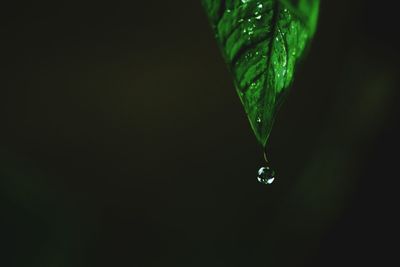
123, 142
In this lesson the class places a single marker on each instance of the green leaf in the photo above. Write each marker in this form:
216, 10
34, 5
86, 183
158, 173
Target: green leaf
261, 41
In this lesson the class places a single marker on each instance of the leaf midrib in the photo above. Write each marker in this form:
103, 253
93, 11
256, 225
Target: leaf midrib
274, 23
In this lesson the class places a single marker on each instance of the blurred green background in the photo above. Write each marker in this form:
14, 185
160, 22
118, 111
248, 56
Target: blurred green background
123, 142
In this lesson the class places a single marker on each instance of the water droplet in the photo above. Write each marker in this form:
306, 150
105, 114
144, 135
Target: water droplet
266, 175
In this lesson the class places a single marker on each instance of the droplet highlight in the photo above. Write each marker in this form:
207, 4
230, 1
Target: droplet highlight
266, 175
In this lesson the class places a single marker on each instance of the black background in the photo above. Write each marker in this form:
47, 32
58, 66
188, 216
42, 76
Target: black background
123, 142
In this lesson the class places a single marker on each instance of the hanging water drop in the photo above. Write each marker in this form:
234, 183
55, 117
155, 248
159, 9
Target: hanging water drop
266, 175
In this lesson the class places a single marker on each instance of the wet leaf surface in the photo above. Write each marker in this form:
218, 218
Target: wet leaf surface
261, 42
